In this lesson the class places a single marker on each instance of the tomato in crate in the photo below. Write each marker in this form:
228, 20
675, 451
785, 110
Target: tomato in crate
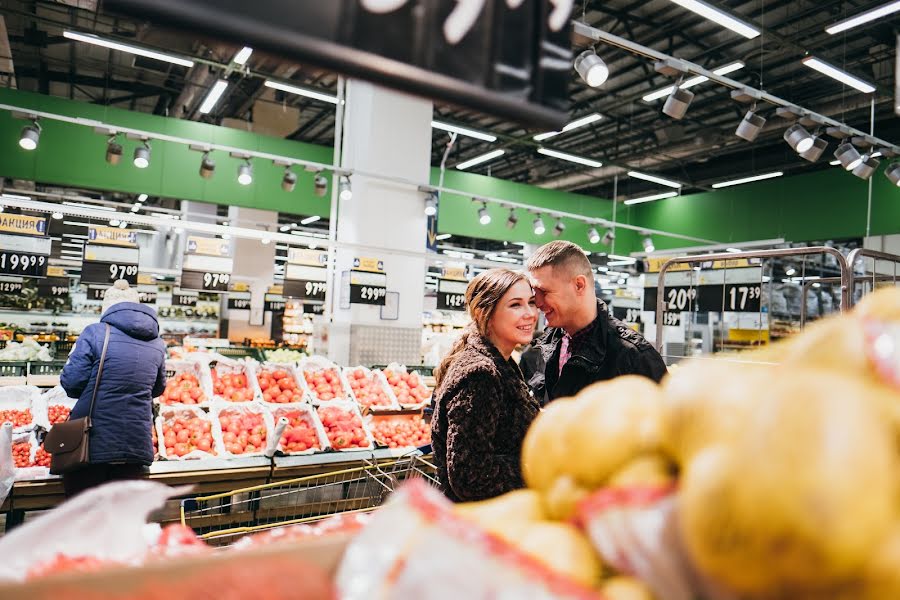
278, 386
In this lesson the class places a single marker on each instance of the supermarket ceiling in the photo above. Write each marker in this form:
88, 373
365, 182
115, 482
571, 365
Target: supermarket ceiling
630, 134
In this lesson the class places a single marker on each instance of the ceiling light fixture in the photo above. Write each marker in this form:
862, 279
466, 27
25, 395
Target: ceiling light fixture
790, 271
718, 16
848, 156
750, 126
647, 243
559, 228
893, 173
122, 224
864, 17
677, 103
310, 219
31, 135
655, 179
818, 148
114, 222
723, 184
265, 241
289, 182
142, 197
798, 138
608, 237
480, 159
591, 68
207, 166
689, 83
242, 56
867, 167
215, 93
846, 78
651, 198
570, 157
293, 89
443, 236
98, 41
484, 217
113, 151
345, 192
431, 205
586, 120
142, 156
478, 135
538, 226
245, 173
320, 185
593, 235
57, 215
513, 219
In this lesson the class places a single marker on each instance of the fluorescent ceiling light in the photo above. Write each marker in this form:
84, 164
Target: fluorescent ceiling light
631, 260
480, 159
835, 73
618, 263
72, 245
213, 96
16, 197
443, 236
309, 220
864, 17
747, 179
92, 206
570, 157
717, 16
733, 250
587, 120
464, 131
98, 41
835, 163
293, 89
666, 91
654, 179
243, 55
651, 198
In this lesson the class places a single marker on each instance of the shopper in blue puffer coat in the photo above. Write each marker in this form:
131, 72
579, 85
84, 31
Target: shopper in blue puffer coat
133, 374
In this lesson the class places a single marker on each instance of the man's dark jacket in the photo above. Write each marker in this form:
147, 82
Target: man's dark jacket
609, 349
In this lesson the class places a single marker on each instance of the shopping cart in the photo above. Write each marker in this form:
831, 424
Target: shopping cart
222, 518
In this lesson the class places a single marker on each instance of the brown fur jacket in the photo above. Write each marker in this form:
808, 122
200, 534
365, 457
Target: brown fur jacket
482, 409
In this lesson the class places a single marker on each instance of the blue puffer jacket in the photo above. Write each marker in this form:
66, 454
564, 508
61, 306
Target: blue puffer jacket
134, 373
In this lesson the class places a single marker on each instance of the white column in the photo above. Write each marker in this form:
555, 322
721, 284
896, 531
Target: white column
254, 263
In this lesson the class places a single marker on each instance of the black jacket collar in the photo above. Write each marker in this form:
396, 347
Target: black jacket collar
594, 348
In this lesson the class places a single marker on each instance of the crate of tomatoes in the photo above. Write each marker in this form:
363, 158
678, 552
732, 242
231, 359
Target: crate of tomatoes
185, 433
52, 407
234, 380
304, 433
280, 384
22, 456
188, 382
322, 380
344, 426
370, 389
241, 429
400, 429
17, 406
408, 386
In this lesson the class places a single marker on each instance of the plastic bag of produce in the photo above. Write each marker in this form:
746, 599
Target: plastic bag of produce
187, 382
284, 356
185, 433
241, 429
280, 384
234, 380
416, 547
370, 389
408, 386
52, 407
344, 426
304, 433
27, 350
17, 406
322, 379
399, 431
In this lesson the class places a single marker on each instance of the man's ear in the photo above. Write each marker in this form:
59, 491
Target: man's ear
580, 284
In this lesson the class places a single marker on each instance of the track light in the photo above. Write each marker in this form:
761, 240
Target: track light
31, 135
484, 217
142, 156
867, 167
344, 191
608, 237
591, 68
538, 225
647, 243
114, 222
893, 173
559, 228
265, 241
848, 155
513, 219
207, 166
749, 128
790, 271
815, 152
320, 185
245, 173
57, 215
289, 182
113, 151
593, 235
430, 205
678, 102
799, 138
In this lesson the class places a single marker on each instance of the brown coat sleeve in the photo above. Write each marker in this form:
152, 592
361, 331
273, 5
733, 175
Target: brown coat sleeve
474, 470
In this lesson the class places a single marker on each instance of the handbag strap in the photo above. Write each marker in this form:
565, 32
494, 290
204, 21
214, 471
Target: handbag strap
99, 371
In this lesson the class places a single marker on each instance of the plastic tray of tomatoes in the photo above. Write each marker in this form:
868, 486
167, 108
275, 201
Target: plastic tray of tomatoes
241, 429
185, 433
322, 380
370, 389
344, 426
188, 382
304, 433
408, 386
234, 380
17, 406
401, 430
280, 384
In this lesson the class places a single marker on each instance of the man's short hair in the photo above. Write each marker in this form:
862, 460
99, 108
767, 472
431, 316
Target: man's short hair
561, 254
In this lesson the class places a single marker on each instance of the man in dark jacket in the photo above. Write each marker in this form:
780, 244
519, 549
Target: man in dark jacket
583, 342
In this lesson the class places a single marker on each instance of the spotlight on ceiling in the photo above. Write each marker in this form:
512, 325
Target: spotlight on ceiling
538, 226
113, 151
245, 173
207, 166
591, 68
289, 181
484, 217
608, 237
57, 215
320, 185
893, 173
749, 128
799, 138
344, 191
816, 150
431, 205
593, 235
647, 243
559, 228
142, 156
513, 219
31, 135
678, 102
848, 156
867, 167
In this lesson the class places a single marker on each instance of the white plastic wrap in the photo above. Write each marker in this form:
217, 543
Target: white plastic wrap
220, 409
18, 398
340, 440
55, 397
307, 413
271, 397
7, 469
168, 414
378, 424
312, 366
374, 379
199, 369
398, 370
245, 367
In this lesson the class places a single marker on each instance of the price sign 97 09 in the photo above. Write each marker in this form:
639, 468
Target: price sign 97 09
304, 289
23, 263
205, 281
108, 272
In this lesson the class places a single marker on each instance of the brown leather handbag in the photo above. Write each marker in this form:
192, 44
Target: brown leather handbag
69, 443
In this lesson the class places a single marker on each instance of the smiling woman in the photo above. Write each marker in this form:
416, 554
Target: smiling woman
482, 407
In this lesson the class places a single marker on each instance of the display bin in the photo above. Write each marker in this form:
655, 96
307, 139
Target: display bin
239, 352
62, 349
46, 373
13, 373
